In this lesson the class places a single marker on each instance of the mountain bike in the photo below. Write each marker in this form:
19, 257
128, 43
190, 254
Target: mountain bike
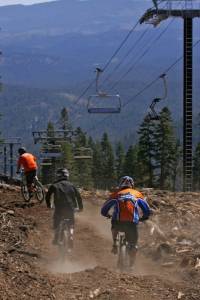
65, 238
36, 189
123, 259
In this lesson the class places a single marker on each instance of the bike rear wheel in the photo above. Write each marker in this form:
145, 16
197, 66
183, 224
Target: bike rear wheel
39, 191
123, 255
63, 244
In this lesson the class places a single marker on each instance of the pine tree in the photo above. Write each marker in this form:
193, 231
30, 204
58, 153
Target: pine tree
165, 153
51, 133
64, 120
176, 168
67, 160
83, 162
119, 162
130, 162
81, 138
97, 171
146, 149
108, 163
196, 168
49, 165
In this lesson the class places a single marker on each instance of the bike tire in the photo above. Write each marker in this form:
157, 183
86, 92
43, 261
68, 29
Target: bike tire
123, 257
40, 193
63, 245
25, 192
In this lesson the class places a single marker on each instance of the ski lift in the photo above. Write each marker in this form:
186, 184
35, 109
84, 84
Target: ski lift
46, 162
112, 102
153, 116
50, 155
50, 148
83, 153
156, 20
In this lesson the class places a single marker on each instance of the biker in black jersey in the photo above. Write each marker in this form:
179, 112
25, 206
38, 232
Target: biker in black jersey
67, 200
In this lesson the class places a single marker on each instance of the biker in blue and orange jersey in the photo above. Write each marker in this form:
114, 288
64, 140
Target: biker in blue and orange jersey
127, 204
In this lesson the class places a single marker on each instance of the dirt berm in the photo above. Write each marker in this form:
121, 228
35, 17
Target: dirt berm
167, 267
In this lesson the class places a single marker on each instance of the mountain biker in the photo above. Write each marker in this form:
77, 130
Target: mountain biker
127, 204
67, 200
28, 162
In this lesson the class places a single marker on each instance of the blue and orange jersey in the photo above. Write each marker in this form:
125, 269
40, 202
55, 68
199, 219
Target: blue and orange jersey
126, 205
27, 161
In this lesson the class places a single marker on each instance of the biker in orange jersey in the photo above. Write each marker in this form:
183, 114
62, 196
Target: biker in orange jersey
127, 203
27, 161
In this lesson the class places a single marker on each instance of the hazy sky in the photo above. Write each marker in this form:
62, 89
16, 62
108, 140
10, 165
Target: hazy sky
9, 2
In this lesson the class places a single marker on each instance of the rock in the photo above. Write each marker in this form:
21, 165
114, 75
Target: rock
180, 295
197, 265
10, 212
168, 264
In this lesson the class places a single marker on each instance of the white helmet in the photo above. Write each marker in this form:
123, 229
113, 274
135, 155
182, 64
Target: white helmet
126, 181
62, 173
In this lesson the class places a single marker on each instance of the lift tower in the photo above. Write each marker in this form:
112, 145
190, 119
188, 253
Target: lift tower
187, 13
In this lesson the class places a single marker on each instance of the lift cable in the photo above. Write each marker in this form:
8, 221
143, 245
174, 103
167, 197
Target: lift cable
151, 83
109, 61
143, 54
145, 51
128, 53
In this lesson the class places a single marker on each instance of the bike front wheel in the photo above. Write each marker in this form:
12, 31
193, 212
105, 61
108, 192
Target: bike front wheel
25, 192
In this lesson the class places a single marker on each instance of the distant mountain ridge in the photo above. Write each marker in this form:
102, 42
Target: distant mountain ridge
52, 49
71, 16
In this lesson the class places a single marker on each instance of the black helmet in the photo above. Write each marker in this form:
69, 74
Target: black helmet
62, 173
126, 181
21, 150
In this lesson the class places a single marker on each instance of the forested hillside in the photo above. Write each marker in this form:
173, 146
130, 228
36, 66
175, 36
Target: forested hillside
48, 62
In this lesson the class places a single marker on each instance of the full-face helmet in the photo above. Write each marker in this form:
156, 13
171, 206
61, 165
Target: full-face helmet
126, 181
21, 150
62, 173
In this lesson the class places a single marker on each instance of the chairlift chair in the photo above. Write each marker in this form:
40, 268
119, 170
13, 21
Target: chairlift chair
95, 101
93, 108
153, 114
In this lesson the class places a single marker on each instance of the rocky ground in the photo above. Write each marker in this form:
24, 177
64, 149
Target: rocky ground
167, 267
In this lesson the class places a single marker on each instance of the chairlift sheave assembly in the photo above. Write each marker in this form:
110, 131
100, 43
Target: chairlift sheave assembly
112, 102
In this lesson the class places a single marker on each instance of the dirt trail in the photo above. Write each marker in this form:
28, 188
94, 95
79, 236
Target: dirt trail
30, 268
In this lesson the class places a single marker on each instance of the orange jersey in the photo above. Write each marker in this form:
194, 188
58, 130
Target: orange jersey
28, 162
133, 192
127, 204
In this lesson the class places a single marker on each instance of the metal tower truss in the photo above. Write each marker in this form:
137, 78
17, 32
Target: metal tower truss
189, 10
7, 154
155, 16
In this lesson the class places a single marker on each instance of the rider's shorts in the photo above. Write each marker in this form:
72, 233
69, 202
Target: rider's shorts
130, 230
30, 175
